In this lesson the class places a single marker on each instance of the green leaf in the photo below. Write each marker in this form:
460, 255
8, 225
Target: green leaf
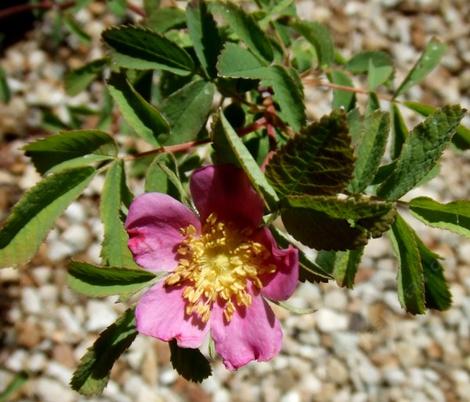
77, 148
318, 161
143, 117
246, 28
91, 280
114, 251
94, 368
204, 35
227, 142
309, 270
429, 59
331, 223
461, 139
436, 288
187, 110
236, 62
361, 62
411, 289
75, 28
142, 49
399, 130
378, 75
420, 152
370, 150
320, 38
191, 364
33, 216
342, 265
453, 216
117, 7
163, 19
5, 94
14, 385
342, 99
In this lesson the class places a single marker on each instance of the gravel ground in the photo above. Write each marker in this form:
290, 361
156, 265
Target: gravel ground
358, 346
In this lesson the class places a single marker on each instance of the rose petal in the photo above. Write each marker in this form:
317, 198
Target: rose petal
153, 223
161, 313
253, 333
226, 191
281, 284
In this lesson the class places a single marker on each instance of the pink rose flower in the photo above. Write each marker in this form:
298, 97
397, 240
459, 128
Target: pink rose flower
221, 266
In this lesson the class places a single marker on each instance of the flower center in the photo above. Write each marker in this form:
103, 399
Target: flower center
217, 266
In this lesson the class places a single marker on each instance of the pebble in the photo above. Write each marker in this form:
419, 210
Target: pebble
336, 300
77, 236
100, 315
58, 250
48, 390
331, 321
75, 212
31, 301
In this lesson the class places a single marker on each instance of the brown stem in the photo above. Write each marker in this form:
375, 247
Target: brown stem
325, 84
186, 146
45, 5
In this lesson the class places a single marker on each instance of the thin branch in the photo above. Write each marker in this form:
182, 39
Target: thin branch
45, 5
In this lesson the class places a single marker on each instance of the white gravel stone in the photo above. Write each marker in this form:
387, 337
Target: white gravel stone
51, 391
75, 212
394, 376
168, 376
59, 372
17, 360
77, 236
69, 320
100, 315
41, 275
58, 250
9, 274
291, 396
36, 362
31, 300
331, 321
336, 299
464, 252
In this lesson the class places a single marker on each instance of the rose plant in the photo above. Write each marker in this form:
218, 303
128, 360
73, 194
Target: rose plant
216, 91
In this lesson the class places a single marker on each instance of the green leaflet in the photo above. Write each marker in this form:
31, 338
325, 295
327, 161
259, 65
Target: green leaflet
142, 49
420, 152
92, 374
332, 223
360, 62
75, 28
370, 150
342, 265
228, 143
410, 273
320, 38
461, 139
143, 117
187, 110
189, 363
33, 216
246, 28
309, 270
318, 161
399, 130
204, 35
115, 251
70, 149
163, 19
94, 281
436, 289
453, 216
342, 99
5, 94
430, 58
236, 62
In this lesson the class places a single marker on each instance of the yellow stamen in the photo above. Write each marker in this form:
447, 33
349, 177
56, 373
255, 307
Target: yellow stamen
218, 265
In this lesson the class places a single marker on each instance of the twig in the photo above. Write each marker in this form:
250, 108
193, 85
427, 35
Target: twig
186, 146
45, 5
